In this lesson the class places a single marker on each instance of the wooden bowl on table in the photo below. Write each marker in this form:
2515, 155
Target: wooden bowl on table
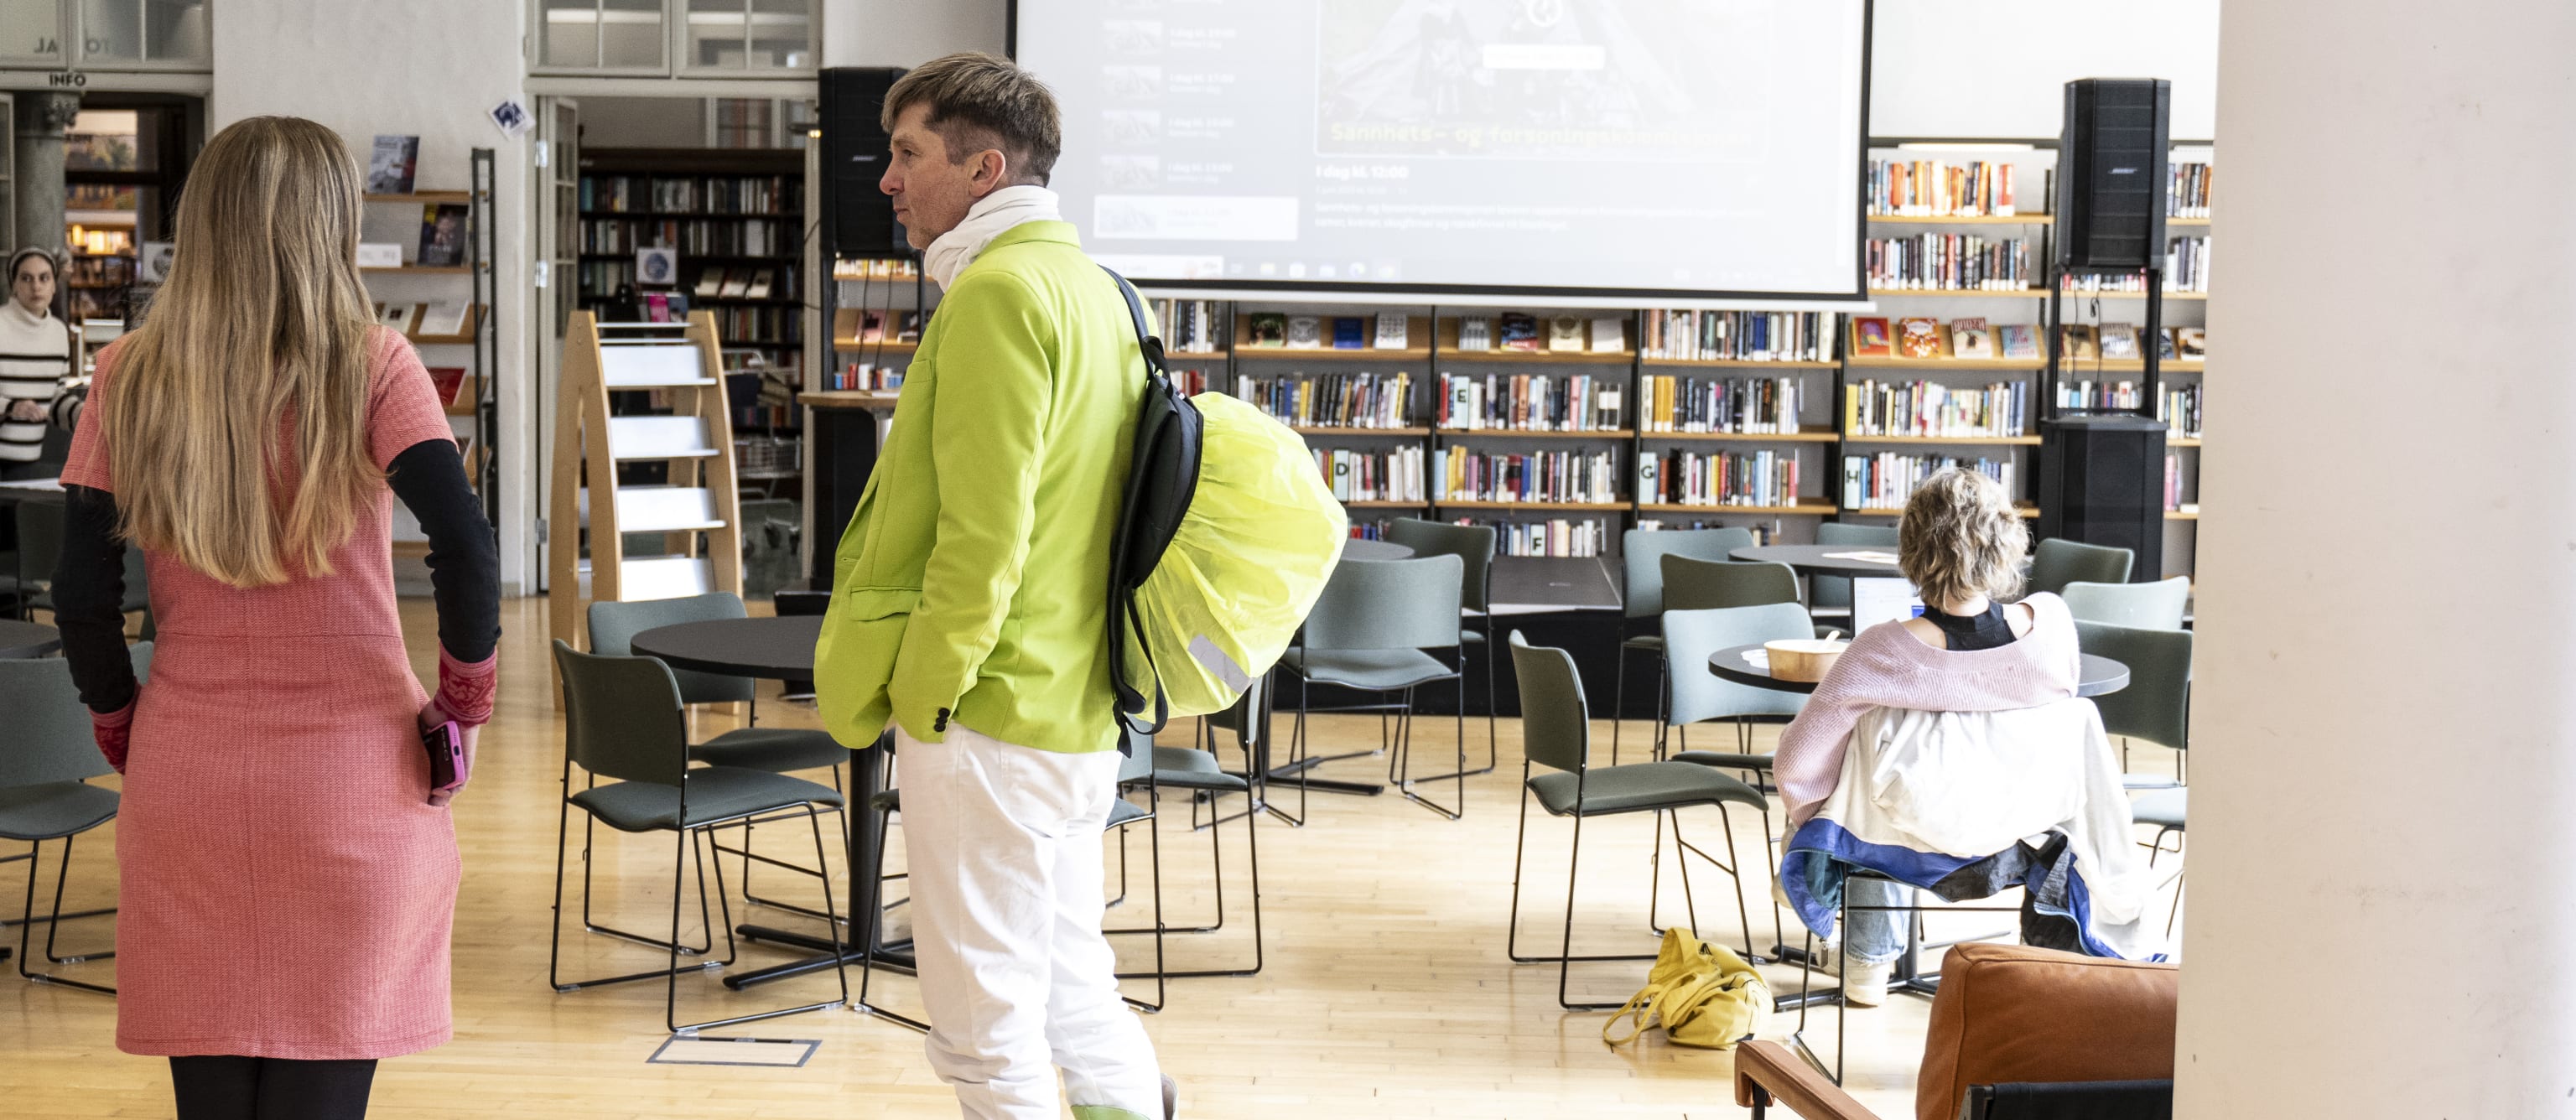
1803, 659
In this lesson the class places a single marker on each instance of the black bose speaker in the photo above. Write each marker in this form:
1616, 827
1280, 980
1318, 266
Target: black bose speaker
858, 219
2111, 168
2102, 481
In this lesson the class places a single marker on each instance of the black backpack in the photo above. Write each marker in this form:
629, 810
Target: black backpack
1162, 478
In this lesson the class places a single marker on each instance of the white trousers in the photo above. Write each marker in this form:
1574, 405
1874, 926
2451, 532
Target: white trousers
1003, 844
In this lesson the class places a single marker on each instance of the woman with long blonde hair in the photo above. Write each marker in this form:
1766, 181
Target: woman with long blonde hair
287, 872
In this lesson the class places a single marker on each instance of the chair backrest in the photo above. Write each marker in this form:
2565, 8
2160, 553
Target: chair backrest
40, 540
1243, 716
1389, 604
2060, 562
1138, 763
1556, 727
1473, 545
47, 735
2011, 1014
2156, 705
2151, 606
2070, 1100
622, 716
1835, 591
1694, 693
1642, 553
613, 627
1697, 585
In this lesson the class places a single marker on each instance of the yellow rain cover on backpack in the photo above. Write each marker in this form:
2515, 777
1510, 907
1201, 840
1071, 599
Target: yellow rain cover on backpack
1702, 994
1261, 536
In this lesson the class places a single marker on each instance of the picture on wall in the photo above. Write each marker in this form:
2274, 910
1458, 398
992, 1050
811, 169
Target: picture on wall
390, 166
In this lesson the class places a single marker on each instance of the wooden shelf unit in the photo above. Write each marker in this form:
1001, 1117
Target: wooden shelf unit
1963, 219
1802, 435
1730, 363
1550, 507
1937, 365
1960, 441
786, 265
1960, 293
1516, 433
1417, 332
1626, 355
1355, 430
1806, 507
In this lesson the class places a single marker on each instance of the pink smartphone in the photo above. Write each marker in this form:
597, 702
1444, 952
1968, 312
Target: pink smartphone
447, 766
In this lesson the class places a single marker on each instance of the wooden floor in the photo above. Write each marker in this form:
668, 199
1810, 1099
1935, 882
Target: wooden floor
1387, 991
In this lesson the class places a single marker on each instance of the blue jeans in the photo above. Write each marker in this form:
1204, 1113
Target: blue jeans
1875, 936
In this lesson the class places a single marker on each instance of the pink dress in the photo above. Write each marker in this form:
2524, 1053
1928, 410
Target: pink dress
285, 889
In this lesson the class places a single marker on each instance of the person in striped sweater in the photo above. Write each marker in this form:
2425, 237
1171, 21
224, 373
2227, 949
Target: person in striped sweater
35, 364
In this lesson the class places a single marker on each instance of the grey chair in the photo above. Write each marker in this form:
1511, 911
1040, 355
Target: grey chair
1700, 696
779, 750
40, 550
1136, 773
1556, 737
2150, 606
1698, 585
1368, 631
623, 719
2156, 705
1473, 545
47, 757
2167, 810
1832, 595
2059, 562
1641, 563
1198, 774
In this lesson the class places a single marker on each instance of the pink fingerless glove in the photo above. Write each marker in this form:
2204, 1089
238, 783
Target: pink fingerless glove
465, 688
111, 730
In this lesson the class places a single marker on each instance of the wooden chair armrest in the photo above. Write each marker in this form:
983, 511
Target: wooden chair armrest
1773, 1070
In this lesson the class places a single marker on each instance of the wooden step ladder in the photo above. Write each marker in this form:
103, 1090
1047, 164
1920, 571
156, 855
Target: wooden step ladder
685, 362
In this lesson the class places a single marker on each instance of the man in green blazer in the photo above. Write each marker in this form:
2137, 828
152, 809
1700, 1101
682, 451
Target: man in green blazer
969, 606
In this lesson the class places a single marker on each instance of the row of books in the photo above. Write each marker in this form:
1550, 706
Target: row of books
2187, 190
1535, 476
2186, 270
1190, 325
729, 194
1881, 483
1521, 402
1750, 478
875, 268
864, 377
1926, 408
1740, 336
2178, 406
1556, 536
1271, 330
1371, 530
1951, 262
1742, 405
1929, 188
1518, 332
1762, 534
730, 237
1926, 338
99, 271
2173, 481
779, 325
1372, 476
1332, 400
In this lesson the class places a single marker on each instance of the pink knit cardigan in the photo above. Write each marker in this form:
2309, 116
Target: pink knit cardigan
1886, 667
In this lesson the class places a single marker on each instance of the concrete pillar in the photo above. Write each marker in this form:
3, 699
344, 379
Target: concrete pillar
43, 118
2383, 858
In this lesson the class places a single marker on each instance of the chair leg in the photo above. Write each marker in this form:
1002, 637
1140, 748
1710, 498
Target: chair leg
55, 918
27, 920
1618, 702
872, 903
670, 1007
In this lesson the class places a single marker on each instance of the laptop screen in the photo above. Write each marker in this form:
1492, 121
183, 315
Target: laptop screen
1882, 599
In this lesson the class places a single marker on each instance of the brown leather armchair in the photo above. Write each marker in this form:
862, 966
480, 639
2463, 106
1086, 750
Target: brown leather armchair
2005, 1015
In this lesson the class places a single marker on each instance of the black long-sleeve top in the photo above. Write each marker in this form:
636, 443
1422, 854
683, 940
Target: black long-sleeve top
429, 477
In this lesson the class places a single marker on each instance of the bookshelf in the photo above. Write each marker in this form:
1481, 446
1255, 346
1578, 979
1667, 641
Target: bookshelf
735, 217
414, 293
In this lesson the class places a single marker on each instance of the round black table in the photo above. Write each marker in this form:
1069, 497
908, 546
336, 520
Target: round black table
2095, 677
783, 649
26, 639
1812, 559
1356, 549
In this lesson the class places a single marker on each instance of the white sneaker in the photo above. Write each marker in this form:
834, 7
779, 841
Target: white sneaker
1865, 985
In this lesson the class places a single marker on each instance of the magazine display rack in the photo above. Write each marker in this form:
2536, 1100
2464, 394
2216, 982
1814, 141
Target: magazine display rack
695, 510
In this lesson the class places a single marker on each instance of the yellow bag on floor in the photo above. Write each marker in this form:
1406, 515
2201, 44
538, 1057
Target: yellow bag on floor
1702, 994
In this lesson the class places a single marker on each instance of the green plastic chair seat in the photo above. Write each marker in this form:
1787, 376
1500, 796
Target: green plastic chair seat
54, 810
1382, 670
1191, 768
1638, 787
2163, 808
1123, 811
715, 794
1724, 760
1644, 641
778, 750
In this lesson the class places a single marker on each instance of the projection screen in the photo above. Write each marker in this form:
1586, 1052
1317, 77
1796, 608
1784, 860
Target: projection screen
1589, 150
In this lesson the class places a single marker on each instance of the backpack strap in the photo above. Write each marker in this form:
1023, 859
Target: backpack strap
1145, 340
1122, 601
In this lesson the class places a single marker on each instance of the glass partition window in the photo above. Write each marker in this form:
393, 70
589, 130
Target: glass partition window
143, 31
689, 37
624, 35
739, 35
31, 31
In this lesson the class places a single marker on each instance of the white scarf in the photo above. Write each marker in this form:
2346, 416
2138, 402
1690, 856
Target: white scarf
996, 212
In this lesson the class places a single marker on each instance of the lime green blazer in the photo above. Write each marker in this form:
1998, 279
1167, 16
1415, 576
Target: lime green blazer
972, 584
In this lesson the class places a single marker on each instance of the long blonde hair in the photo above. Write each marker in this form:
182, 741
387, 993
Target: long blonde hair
247, 387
